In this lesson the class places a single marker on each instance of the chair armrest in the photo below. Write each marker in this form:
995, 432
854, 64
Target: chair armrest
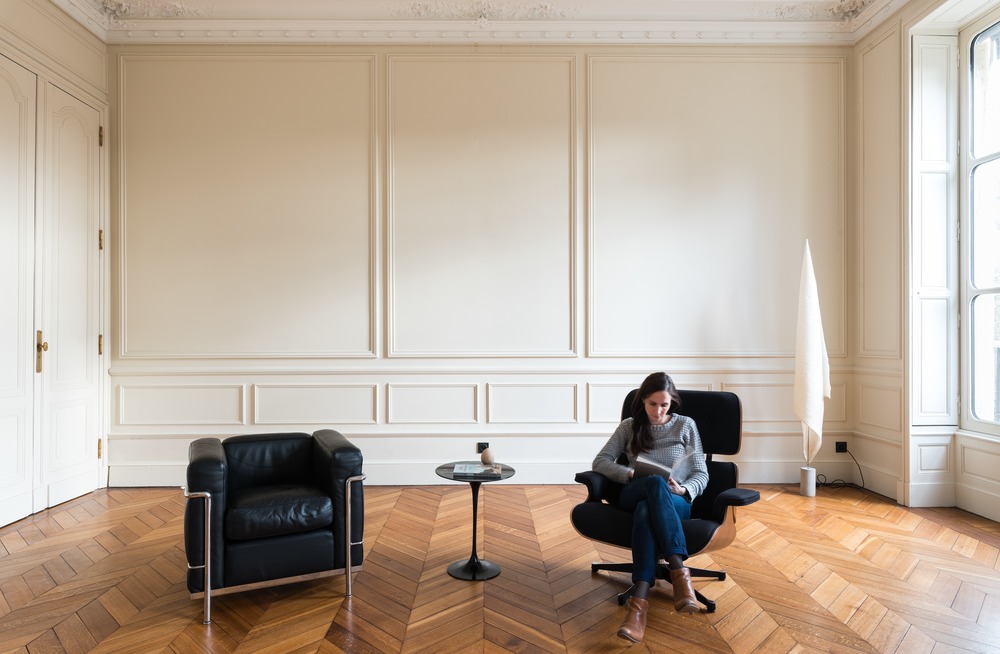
206, 473
599, 487
338, 460
734, 497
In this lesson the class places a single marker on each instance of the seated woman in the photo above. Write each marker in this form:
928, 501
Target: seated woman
658, 505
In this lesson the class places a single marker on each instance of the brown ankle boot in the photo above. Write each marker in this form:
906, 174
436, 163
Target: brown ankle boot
684, 597
634, 625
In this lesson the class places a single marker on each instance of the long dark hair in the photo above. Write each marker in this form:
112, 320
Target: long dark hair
642, 437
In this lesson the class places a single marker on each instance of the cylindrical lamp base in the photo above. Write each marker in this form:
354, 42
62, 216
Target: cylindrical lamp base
807, 481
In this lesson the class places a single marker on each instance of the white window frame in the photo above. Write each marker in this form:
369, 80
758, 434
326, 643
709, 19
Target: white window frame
968, 421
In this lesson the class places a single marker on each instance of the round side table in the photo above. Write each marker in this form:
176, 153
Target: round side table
474, 569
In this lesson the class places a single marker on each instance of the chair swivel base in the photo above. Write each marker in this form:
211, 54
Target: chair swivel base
662, 572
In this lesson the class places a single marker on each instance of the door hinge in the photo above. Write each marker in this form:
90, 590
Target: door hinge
100, 239
100, 448
100, 344
100, 136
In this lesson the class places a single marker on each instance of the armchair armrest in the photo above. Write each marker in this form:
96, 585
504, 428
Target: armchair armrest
336, 460
206, 473
734, 497
337, 463
599, 487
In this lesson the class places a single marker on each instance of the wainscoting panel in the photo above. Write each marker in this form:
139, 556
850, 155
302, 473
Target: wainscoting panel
604, 402
880, 408
532, 403
481, 211
310, 404
433, 403
978, 475
685, 243
932, 468
182, 404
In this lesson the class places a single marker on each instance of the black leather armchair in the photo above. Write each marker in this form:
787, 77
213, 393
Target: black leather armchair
269, 509
713, 514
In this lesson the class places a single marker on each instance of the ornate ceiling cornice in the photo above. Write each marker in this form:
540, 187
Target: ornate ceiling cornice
123, 10
479, 21
483, 12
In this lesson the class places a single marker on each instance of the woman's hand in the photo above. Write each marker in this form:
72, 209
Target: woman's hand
676, 488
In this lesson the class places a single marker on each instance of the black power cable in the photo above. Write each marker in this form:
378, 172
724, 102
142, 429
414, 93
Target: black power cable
840, 483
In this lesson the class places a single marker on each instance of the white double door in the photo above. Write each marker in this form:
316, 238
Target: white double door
50, 294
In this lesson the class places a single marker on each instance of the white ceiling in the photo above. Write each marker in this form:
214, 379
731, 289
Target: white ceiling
835, 22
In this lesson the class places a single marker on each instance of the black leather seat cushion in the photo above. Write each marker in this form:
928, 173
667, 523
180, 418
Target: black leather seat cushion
609, 524
261, 512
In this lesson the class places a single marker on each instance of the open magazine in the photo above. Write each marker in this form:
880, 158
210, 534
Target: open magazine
681, 470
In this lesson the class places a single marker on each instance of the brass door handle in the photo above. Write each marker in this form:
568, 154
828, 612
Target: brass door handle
40, 346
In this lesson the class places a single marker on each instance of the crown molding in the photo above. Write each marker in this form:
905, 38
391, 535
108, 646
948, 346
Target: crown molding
841, 22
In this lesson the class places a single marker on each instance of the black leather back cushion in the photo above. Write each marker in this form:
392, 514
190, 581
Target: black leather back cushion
268, 460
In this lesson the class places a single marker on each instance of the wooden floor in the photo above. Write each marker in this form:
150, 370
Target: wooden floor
847, 571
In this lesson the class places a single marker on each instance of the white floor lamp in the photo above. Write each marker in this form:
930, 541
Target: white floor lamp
812, 373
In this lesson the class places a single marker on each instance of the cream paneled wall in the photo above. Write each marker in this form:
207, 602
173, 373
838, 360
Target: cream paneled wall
708, 173
429, 247
481, 206
248, 208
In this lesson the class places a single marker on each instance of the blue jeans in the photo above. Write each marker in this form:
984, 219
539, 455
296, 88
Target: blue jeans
656, 524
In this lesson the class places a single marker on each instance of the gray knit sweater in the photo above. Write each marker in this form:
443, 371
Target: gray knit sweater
670, 442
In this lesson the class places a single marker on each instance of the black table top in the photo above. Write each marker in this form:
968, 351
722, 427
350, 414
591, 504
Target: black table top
447, 471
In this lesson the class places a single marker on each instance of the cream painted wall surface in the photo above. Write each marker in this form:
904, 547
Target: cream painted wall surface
879, 440
248, 210
708, 173
430, 247
546, 401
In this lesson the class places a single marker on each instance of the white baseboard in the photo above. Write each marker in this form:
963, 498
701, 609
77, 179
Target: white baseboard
138, 475
978, 501
933, 494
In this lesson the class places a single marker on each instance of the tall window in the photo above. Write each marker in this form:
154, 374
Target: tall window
982, 269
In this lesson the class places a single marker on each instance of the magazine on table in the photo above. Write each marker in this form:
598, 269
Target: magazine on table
645, 467
477, 470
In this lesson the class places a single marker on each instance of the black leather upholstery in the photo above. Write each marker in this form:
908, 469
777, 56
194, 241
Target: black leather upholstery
278, 507
719, 419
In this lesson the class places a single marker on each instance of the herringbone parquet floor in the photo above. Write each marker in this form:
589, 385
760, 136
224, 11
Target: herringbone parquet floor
847, 571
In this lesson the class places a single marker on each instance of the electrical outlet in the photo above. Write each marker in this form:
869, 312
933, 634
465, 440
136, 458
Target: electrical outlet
841, 446
481, 446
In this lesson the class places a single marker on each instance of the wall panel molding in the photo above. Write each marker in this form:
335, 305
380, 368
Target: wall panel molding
312, 404
409, 404
532, 403
880, 407
879, 181
643, 134
261, 235
181, 404
771, 403
472, 175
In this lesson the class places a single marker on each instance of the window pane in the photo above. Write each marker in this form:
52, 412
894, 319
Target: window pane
986, 92
986, 357
986, 224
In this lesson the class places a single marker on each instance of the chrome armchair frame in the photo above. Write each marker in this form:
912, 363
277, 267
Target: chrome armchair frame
206, 595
